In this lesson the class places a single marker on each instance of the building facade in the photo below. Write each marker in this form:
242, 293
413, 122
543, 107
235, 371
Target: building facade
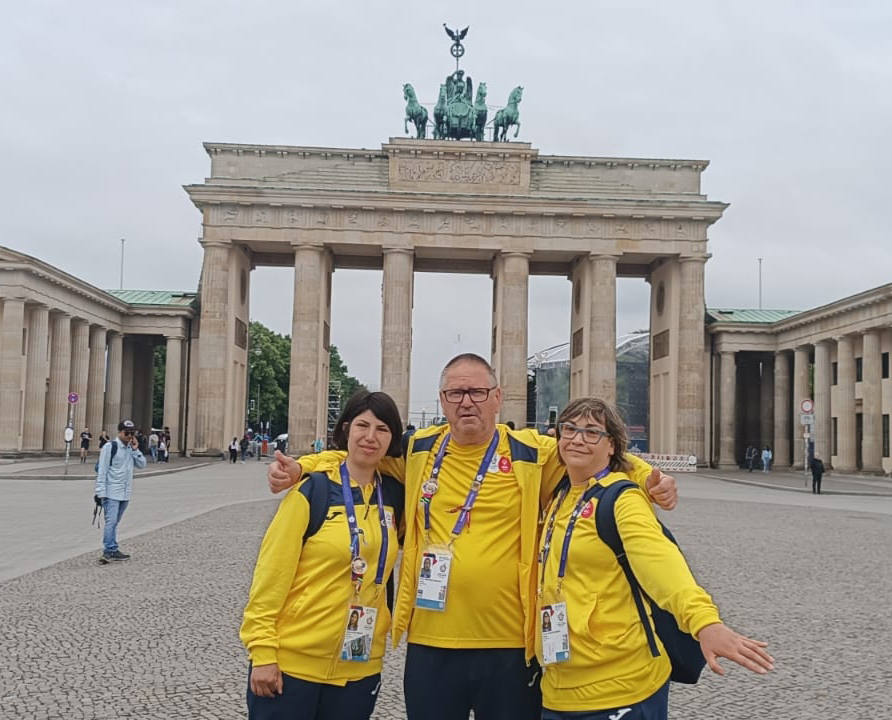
442, 206
60, 335
764, 364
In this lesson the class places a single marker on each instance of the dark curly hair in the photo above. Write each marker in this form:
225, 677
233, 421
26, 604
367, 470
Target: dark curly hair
382, 406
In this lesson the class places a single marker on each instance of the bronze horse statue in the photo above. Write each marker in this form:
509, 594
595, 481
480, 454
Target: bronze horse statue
415, 112
507, 116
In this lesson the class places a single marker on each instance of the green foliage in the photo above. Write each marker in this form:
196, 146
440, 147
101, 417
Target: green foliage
159, 364
269, 376
339, 377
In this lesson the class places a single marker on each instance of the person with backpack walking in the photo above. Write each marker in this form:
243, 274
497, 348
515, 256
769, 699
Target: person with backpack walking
598, 653
474, 493
817, 473
114, 485
316, 621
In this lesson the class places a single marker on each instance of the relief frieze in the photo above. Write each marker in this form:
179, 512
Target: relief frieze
464, 172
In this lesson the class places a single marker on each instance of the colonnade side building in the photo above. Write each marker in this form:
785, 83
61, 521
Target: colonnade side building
60, 335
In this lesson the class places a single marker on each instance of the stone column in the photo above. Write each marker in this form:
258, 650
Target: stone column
211, 394
396, 326
307, 343
781, 449
800, 393
80, 371
96, 381
36, 371
12, 362
602, 328
728, 411
60, 376
173, 373
871, 404
823, 425
845, 413
112, 413
511, 273
766, 402
691, 370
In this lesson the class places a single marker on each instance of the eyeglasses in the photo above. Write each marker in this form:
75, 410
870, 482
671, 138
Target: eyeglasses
128, 432
591, 436
477, 395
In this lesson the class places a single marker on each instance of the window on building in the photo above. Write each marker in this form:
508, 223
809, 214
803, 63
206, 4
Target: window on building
834, 368
859, 369
885, 436
885, 357
833, 438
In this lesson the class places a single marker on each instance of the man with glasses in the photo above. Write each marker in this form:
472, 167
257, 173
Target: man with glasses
114, 484
474, 495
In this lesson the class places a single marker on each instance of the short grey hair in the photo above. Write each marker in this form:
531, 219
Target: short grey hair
472, 358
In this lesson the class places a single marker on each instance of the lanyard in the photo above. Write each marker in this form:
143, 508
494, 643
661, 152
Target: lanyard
571, 524
429, 489
357, 564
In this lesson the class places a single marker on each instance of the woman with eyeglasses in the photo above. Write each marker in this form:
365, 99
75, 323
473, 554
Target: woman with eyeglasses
596, 653
317, 616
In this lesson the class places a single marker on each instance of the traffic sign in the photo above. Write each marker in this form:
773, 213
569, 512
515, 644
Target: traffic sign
807, 419
73, 397
807, 406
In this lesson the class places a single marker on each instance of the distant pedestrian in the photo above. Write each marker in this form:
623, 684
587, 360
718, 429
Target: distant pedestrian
85, 444
750, 457
162, 450
103, 438
153, 446
233, 450
114, 484
766, 459
243, 446
817, 472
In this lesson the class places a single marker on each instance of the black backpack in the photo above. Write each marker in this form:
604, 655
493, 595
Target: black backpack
683, 650
114, 449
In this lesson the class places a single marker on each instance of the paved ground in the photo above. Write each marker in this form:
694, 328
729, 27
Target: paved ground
157, 637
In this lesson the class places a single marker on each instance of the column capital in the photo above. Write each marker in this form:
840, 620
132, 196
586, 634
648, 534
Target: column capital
205, 243
872, 331
605, 256
307, 245
174, 336
693, 258
516, 253
397, 250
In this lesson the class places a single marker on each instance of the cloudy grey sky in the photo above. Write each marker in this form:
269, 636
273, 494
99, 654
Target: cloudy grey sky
106, 104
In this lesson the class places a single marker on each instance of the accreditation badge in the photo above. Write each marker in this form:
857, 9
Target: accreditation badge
359, 634
433, 578
555, 633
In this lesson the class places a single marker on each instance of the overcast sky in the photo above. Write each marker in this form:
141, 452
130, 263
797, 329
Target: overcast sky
106, 104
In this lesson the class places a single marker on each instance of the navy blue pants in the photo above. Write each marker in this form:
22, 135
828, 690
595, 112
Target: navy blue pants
656, 707
305, 700
445, 684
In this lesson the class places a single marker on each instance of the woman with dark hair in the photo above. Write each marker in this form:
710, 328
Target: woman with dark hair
609, 669
318, 592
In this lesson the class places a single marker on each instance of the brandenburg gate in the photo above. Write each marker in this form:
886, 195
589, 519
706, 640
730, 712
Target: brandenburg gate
419, 205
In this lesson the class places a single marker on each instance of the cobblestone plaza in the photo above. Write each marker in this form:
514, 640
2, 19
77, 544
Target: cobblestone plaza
157, 637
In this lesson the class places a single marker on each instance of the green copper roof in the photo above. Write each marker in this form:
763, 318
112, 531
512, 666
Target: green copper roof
154, 297
748, 315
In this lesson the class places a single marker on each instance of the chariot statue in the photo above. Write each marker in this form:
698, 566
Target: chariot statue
458, 114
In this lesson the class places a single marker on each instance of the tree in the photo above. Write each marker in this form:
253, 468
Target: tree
269, 368
338, 376
269, 372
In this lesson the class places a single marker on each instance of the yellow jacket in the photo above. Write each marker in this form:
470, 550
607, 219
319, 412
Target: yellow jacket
298, 606
610, 664
537, 470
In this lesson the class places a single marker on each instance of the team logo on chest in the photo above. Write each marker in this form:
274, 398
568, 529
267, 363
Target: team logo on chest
587, 510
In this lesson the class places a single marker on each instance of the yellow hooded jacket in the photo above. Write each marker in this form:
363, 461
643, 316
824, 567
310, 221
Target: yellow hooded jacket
298, 606
536, 468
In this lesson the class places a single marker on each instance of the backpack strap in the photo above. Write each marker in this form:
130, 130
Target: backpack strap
605, 523
315, 490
